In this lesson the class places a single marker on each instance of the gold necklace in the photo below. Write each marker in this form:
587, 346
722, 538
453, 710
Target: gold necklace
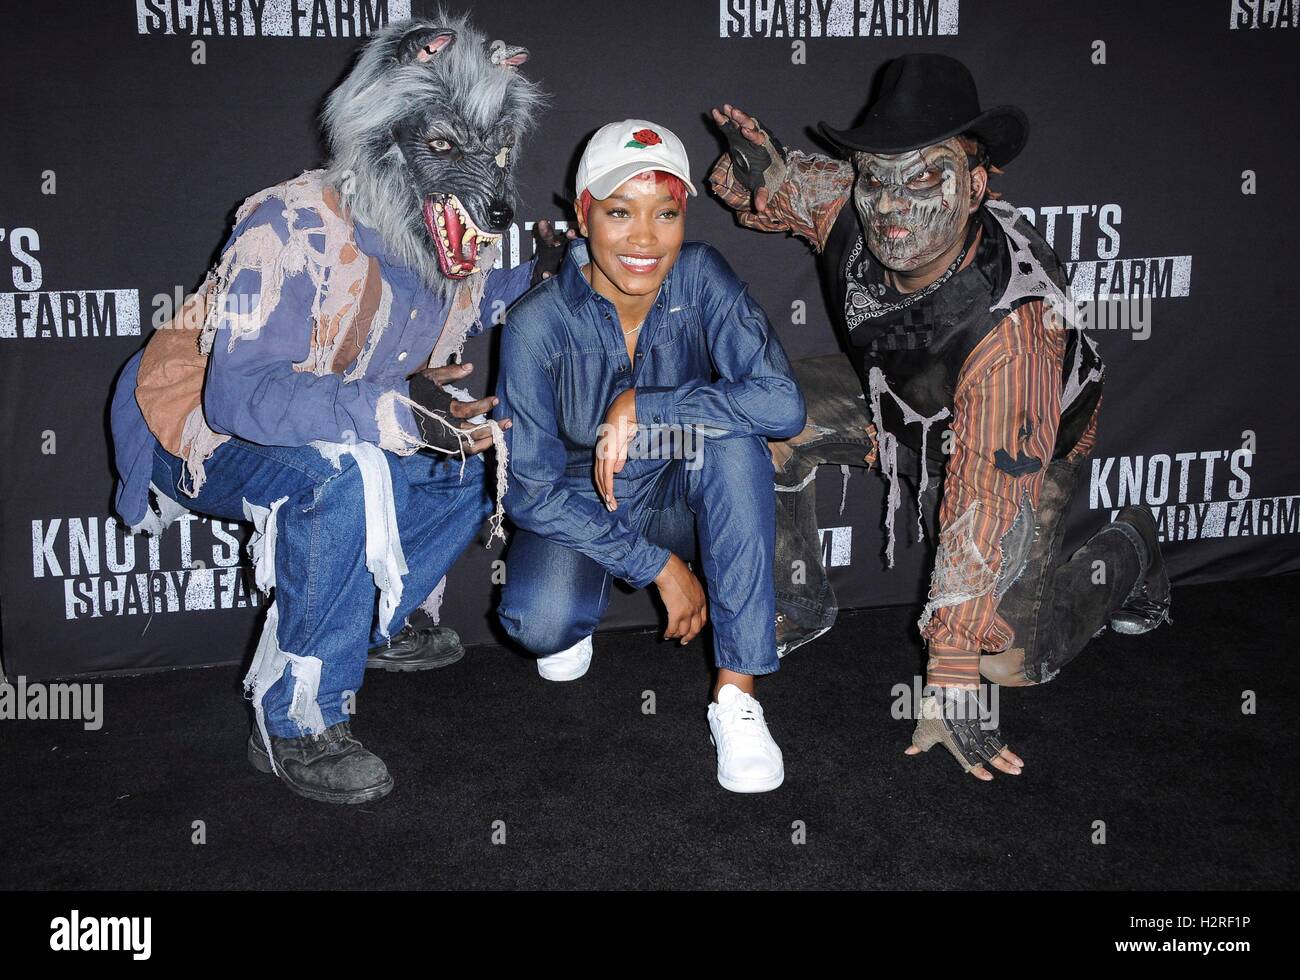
586, 274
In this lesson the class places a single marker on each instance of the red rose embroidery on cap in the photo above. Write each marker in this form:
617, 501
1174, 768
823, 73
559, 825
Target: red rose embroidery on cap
643, 138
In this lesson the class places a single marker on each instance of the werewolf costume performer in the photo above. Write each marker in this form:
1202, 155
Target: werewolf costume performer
290, 390
973, 343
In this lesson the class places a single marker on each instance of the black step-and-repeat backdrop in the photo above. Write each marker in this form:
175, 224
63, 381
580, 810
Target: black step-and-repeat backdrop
1161, 164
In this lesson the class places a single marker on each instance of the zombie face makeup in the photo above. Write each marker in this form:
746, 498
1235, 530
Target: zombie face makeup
914, 205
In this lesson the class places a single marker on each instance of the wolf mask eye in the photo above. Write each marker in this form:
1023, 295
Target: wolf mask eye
440, 145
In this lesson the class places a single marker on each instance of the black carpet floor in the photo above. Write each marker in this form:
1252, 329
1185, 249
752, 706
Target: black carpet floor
1146, 735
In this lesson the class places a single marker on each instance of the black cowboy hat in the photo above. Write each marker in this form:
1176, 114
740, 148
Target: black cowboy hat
925, 99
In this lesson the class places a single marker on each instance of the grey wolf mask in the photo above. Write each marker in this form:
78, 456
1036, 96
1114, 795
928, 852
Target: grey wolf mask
424, 134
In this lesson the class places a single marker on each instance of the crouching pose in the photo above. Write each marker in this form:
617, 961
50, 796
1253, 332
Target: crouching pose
960, 378
643, 384
301, 388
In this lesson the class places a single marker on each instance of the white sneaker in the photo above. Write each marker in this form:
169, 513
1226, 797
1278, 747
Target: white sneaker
748, 760
567, 665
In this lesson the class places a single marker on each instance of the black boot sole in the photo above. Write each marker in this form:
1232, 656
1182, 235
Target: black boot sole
429, 663
262, 763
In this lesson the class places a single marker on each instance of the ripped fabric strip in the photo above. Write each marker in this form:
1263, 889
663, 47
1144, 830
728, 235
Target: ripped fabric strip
269, 662
384, 557
394, 437
887, 444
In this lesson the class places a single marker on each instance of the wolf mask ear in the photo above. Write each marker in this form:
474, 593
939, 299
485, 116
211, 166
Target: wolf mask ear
506, 55
422, 43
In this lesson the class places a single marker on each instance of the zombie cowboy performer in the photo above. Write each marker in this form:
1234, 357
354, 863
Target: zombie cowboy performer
290, 390
954, 313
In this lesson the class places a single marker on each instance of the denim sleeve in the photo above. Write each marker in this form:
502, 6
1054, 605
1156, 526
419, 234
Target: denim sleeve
756, 393
538, 498
502, 288
252, 390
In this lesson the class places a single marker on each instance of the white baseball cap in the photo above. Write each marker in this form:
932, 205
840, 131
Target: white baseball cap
623, 150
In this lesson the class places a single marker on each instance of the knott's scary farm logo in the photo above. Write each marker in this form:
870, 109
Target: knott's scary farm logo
1086, 237
32, 312
1202, 494
105, 571
837, 18
1266, 14
268, 18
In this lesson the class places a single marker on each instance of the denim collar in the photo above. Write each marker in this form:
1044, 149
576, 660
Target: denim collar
574, 285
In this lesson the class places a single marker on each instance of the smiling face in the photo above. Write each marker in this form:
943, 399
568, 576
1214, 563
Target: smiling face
914, 205
633, 239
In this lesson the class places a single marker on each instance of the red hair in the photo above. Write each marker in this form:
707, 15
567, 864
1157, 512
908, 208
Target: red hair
675, 186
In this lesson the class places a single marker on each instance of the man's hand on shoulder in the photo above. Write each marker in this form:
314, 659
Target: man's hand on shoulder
549, 249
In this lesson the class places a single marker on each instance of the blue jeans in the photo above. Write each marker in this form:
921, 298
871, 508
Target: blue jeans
325, 596
554, 596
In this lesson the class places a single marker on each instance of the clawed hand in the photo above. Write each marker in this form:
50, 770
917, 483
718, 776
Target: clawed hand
954, 719
544, 232
480, 433
730, 115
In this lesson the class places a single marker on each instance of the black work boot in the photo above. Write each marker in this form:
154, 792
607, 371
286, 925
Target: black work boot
332, 767
1147, 606
417, 648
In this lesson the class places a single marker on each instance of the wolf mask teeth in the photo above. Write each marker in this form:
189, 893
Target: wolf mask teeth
455, 235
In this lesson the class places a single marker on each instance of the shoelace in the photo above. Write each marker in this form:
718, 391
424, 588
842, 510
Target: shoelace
735, 715
338, 735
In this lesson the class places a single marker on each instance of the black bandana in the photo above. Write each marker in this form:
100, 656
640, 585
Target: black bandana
869, 294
